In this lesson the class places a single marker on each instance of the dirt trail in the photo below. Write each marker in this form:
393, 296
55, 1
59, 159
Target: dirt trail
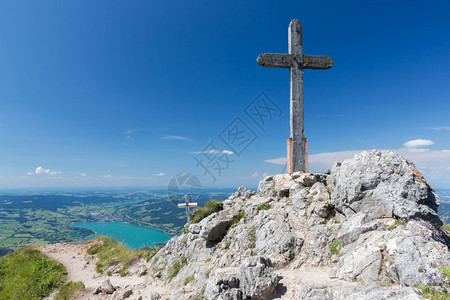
80, 266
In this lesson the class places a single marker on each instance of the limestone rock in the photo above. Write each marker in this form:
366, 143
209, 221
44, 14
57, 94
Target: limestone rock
383, 184
213, 227
154, 296
416, 252
106, 287
257, 278
290, 223
361, 260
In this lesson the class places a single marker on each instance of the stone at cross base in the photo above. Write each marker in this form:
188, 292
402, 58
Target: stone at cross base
296, 61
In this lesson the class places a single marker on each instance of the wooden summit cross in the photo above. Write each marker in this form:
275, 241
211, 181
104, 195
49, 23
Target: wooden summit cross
187, 205
296, 62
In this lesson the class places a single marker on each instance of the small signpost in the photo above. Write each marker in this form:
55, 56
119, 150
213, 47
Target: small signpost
296, 62
187, 205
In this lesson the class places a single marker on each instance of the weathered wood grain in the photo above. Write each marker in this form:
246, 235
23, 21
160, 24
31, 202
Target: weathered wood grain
275, 60
296, 62
317, 62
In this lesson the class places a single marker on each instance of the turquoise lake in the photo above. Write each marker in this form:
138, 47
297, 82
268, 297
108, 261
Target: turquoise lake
132, 236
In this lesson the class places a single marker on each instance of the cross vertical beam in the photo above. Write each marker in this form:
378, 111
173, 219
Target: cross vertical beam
188, 206
297, 129
296, 62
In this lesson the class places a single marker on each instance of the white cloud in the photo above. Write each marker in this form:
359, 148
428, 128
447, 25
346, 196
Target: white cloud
107, 176
175, 137
160, 174
214, 151
441, 128
41, 170
277, 161
414, 145
255, 175
83, 174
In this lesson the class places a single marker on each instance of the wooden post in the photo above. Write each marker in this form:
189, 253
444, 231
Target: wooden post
290, 165
187, 205
306, 156
296, 62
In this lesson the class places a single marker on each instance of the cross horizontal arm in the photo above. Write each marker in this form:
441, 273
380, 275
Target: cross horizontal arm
275, 60
317, 62
183, 205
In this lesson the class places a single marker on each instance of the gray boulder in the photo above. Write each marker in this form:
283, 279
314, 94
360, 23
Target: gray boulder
257, 278
383, 184
213, 227
416, 252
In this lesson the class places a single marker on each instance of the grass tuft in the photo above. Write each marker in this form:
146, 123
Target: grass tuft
111, 253
176, 267
188, 279
69, 290
252, 237
335, 247
29, 274
236, 218
264, 206
210, 207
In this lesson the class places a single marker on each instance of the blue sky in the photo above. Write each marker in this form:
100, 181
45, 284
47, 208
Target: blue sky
129, 93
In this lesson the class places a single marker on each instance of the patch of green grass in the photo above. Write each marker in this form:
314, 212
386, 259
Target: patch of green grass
264, 206
29, 274
429, 293
188, 279
210, 207
252, 237
308, 203
335, 247
185, 240
445, 271
208, 272
400, 222
392, 227
111, 253
446, 228
69, 290
155, 260
236, 218
176, 267
227, 244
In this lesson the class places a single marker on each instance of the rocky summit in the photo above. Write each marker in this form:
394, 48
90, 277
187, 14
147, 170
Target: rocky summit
368, 230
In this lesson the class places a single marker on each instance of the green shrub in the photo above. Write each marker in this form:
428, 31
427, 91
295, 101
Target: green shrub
111, 253
335, 247
29, 274
264, 206
188, 279
69, 290
155, 260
